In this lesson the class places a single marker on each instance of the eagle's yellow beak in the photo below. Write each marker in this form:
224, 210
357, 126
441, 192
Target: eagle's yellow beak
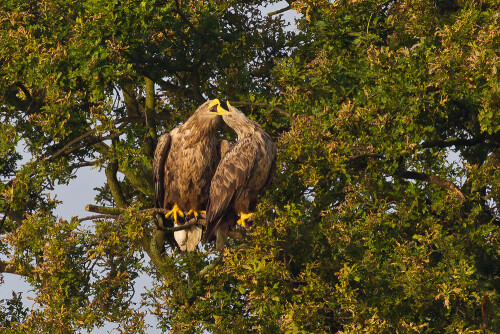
213, 103
221, 111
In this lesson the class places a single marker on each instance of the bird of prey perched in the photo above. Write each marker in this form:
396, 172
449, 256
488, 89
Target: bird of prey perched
241, 176
185, 161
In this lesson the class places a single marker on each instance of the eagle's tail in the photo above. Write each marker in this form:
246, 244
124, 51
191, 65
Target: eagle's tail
189, 238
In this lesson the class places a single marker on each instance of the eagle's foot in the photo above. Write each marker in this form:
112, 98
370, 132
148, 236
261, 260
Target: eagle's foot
243, 218
196, 213
175, 211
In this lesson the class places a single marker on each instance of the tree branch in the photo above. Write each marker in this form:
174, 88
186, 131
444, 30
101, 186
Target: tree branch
453, 142
150, 139
365, 155
279, 11
186, 20
71, 143
104, 210
98, 217
8, 267
114, 185
115, 213
168, 86
434, 180
260, 104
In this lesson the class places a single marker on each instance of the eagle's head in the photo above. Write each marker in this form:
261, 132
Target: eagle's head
237, 120
208, 113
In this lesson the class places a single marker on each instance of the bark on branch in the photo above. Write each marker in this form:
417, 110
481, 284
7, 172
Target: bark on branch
116, 213
279, 11
434, 180
98, 217
453, 142
105, 210
114, 185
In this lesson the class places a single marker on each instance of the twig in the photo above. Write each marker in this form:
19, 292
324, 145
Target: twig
280, 11
71, 143
98, 217
260, 104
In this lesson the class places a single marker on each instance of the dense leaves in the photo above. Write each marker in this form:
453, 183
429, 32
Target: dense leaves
383, 216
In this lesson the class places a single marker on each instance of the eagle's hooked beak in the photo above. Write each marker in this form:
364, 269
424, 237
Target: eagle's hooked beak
221, 111
214, 105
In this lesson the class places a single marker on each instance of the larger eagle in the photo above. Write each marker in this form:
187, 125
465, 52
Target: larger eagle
241, 177
185, 161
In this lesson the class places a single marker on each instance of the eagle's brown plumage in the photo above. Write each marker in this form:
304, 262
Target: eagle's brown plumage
241, 177
185, 161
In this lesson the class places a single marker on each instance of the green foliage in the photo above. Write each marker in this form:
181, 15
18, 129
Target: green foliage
384, 212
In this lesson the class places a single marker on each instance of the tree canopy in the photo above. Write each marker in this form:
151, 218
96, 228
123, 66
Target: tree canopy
384, 213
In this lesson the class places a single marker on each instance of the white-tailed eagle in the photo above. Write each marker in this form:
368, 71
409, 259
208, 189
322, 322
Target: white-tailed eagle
184, 163
241, 176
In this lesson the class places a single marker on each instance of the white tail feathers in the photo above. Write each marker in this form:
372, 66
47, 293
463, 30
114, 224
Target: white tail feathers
189, 238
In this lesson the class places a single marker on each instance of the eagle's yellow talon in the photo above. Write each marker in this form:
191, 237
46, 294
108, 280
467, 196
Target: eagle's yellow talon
243, 217
175, 211
196, 213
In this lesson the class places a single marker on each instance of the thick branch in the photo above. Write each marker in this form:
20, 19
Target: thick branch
141, 179
105, 210
114, 185
115, 213
434, 180
150, 140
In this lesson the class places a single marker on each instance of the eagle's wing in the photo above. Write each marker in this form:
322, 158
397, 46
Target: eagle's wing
223, 147
161, 153
230, 178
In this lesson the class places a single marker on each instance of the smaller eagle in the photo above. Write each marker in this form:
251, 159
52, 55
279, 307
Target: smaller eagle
185, 161
241, 177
